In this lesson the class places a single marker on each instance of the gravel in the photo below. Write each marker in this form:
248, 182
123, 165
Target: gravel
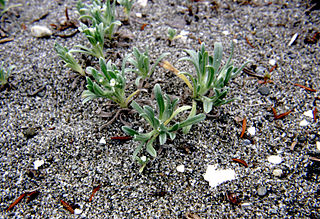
42, 118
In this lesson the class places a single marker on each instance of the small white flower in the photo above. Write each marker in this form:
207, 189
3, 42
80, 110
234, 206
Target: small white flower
112, 82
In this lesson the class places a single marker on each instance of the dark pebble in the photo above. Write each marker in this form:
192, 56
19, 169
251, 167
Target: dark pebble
302, 138
264, 91
246, 142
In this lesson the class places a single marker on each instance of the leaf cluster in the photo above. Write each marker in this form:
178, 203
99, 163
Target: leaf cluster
160, 122
127, 5
4, 74
211, 75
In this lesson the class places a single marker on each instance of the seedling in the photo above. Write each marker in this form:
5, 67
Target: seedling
95, 35
109, 83
100, 13
210, 76
127, 5
68, 58
167, 111
4, 74
172, 35
141, 63
4, 7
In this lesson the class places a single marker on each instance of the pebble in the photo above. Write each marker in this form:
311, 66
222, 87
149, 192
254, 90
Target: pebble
40, 31
272, 62
252, 131
246, 142
142, 3
102, 141
304, 123
216, 177
77, 211
180, 168
318, 145
264, 91
301, 138
308, 113
261, 70
277, 172
37, 164
275, 159
262, 191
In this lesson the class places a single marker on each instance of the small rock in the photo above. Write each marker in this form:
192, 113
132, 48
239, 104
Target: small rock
142, 3
252, 131
30, 132
180, 168
77, 211
139, 15
246, 142
261, 70
277, 172
40, 31
264, 91
216, 177
272, 62
102, 141
275, 159
301, 138
225, 32
246, 204
262, 191
308, 113
37, 164
318, 145
304, 123
294, 37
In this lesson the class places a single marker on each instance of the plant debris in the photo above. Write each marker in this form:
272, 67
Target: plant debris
244, 126
94, 192
306, 88
67, 206
280, 116
240, 161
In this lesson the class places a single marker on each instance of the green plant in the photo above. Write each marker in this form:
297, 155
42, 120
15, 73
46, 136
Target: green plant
127, 5
167, 111
109, 83
69, 60
100, 13
141, 63
4, 74
95, 35
4, 8
172, 34
210, 75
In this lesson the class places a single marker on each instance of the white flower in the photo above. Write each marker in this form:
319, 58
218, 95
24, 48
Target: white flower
112, 82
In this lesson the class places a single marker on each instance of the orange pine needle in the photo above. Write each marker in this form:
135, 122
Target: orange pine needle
274, 112
32, 195
199, 41
67, 206
283, 114
315, 112
273, 68
306, 88
244, 126
249, 42
143, 26
240, 161
16, 201
94, 192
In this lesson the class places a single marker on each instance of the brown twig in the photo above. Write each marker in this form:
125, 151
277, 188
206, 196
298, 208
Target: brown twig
304, 87
315, 112
5, 40
244, 126
249, 42
280, 116
94, 192
67, 206
251, 73
240, 161
16, 201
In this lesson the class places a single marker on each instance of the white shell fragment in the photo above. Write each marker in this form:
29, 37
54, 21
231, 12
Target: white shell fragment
252, 131
102, 141
277, 172
294, 37
216, 177
318, 145
180, 168
40, 31
139, 15
143, 3
304, 123
275, 159
37, 164
272, 62
308, 113
225, 32
77, 211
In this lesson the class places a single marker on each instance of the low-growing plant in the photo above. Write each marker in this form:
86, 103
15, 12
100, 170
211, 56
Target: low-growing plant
210, 75
100, 13
4, 74
4, 6
109, 83
141, 63
68, 58
95, 35
172, 34
162, 123
127, 5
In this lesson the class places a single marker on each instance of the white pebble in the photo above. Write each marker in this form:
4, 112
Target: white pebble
216, 177
139, 15
246, 204
143, 158
180, 168
225, 32
102, 141
308, 113
304, 123
274, 159
294, 37
277, 172
318, 145
77, 211
252, 131
143, 3
37, 164
272, 62
40, 31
